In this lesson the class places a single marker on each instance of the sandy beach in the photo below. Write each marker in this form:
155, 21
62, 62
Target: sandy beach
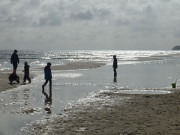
78, 65
4, 81
112, 113
137, 115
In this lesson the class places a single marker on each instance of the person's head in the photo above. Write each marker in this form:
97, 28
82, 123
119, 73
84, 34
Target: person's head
15, 51
25, 63
114, 57
49, 64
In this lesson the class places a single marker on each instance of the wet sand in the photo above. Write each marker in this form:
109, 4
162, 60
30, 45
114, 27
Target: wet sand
4, 75
113, 113
4, 80
78, 65
121, 115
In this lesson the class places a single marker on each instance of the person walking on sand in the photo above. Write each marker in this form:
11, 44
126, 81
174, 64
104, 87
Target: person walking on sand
48, 77
115, 66
26, 72
15, 60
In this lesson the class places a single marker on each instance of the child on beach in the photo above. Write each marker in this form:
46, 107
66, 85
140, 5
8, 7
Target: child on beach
48, 77
13, 77
26, 72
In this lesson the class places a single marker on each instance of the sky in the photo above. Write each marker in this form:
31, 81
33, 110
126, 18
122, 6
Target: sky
89, 24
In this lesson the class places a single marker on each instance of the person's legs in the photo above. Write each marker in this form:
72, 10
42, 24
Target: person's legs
14, 66
45, 83
24, 80
115, 73
50, 88
44, 86
28, 78
50, 84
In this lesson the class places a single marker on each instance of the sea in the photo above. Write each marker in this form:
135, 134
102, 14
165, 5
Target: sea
139, 72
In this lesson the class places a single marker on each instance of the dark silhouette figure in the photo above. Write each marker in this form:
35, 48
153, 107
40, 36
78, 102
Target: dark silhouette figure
47, 102
26, 72
48, 77
14, 59
115, 66
115, 80
13, 77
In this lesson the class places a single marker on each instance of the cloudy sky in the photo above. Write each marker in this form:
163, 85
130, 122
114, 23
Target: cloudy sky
89, 24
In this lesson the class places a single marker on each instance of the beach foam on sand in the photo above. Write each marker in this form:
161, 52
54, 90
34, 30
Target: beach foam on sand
134, 115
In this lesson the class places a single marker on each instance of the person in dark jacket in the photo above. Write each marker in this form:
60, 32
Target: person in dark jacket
115, 66
48, 77
13, 77
26, 72
15, 60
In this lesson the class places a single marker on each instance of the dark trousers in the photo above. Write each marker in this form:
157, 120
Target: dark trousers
115, 73
26, 77
15, 66
50, 87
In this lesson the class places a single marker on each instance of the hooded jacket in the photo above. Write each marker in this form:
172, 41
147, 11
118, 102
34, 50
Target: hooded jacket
47, 73
14, 58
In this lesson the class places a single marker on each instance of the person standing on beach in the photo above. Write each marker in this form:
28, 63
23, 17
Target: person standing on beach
48, 77
15, 60
115, 66
26, 72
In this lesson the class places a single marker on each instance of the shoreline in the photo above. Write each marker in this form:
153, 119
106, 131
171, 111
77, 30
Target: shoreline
4, 75
139, 115
113, 113
4, 81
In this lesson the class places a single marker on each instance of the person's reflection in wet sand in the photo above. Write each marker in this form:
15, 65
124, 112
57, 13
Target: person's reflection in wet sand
48, 102
115, 80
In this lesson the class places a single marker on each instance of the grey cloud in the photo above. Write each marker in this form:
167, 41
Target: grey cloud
91, 12
29, 13
177, 34
122, 22
148, 17
105, 19
144, 20
103, 14
82, 15
33, 3
165, 1
50, 13
51, 19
